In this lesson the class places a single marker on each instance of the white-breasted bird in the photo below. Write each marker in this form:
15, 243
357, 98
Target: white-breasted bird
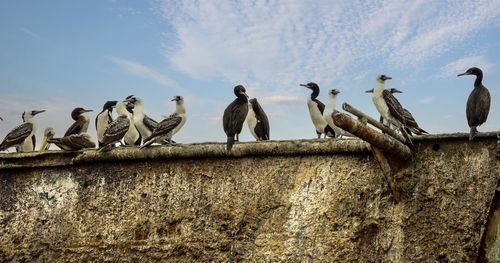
257, 121
169, 126
22, 135
117, 128
103, 119
316, 109
48, 133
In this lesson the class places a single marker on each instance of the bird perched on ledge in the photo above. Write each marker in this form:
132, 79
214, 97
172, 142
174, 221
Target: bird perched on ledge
316, 109
81, 123
257, 121
117, 128
235, 115
103, 119
169, 126
22, 135
47, 134
74, 142
478, 103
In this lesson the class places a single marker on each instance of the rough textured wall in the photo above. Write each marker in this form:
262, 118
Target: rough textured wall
295, 201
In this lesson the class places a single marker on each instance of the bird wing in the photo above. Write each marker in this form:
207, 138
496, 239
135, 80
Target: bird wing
78, 141
264, 121
116, 130
484, 106
33, 140
74, 128
17, 135
166, 125
394, 106
149, 123
226, 117
321, 106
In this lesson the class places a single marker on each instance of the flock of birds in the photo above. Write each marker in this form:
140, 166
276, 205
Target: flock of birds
134, 128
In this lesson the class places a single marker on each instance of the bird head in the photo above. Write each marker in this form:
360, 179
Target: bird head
310, 85
178, 99
29, 114
333, 93
77, 112
109, 105
240, 91
382, 78
472, 71
47, 134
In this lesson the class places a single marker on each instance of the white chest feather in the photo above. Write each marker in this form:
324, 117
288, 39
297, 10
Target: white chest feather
316, 116
132, 134
139, 124
102, 124
380, 104
252, 122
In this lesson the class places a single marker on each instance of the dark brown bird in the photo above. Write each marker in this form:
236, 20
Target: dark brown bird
81, 123
257, 121
478, 104
117, 128
73, 142
235, 115
411, 123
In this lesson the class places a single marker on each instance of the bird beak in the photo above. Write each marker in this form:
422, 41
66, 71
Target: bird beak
388, 77
1, 119
304, 85
87, 110
369, 91
44, 144
462, 74
336, 92
397, 91
244, 94
35, 112
175, 99
129, 97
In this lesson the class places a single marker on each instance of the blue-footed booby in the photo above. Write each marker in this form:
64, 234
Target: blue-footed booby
257, 121
389, 107
22, 135
117, 128
478, 103
81, 123
316, 109
234, 116
144, 124
48, 133
329, 110
169, 126
103, 119
74, 142
132, 137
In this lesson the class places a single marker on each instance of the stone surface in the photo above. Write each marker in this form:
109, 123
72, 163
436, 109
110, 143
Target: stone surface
326, 202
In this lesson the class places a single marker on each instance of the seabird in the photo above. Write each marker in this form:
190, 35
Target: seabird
47, 134
169, 126
74, 142
103, 119
144, 124
478, 104
316, 109
257, 121
23, 135
132, 137
234, 116
81, 123
389, 107
329, 110
117, 128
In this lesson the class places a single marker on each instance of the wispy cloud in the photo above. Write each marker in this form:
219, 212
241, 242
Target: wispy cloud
427, 100
142, 71
30, 33
282, 100
453, 68
282, 43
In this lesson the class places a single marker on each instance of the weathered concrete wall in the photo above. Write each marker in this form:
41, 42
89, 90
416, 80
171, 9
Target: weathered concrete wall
293, 201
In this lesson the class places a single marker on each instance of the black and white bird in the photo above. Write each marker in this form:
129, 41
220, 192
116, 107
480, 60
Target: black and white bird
144, 124
117, 128
133, 136
328, 114
316, 109
81, 123
74, 142
235, 115
478, 103
389, 107
23, 135
169, 126
257, 121
48, 133
103, 119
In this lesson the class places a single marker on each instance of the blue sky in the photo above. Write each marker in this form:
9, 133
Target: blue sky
58, 55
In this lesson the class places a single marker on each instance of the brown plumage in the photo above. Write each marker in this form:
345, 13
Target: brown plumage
81, 123
478, 103
74, 142
235, 115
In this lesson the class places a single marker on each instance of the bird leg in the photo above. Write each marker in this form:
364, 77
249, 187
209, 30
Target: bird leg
237, 139
319, 135
473, 132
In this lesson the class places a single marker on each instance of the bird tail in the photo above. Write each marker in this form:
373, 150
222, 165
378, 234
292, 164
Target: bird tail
230, 142
422, 130
473, 132
2, 147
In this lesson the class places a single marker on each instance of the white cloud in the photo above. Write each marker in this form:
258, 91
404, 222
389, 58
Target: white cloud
282, 100
283, 43
427, 100
461, 65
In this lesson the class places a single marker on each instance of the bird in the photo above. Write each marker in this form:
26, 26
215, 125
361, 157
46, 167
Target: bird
81, 123
169, 126
257, 121
234, 116
144, 124
132, 137
117, 128
389, 107
47, 134
330, 110
74, 142
316, 109
22, 135
103, 119
478, 103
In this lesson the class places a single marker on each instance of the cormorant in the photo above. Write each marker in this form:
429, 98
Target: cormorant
257, 121
81, 123
74, 142
316, 109
234, 116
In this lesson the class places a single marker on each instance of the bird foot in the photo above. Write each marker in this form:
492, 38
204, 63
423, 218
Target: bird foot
172, 143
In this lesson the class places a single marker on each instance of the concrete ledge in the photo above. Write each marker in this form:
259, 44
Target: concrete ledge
208, 150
